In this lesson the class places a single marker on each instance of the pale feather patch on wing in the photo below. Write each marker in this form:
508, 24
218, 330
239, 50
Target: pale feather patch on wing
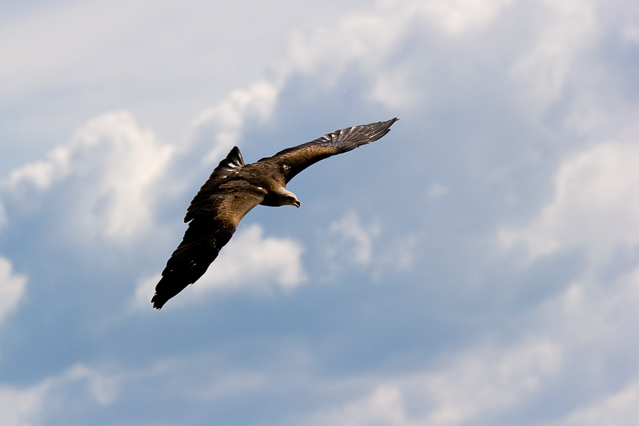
228, 167
235, 200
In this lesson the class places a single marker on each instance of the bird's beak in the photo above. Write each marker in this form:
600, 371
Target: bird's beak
297, 203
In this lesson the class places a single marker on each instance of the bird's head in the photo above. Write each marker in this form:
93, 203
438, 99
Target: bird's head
293, 201
287, 198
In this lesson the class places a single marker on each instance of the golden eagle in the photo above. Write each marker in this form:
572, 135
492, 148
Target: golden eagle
234, 188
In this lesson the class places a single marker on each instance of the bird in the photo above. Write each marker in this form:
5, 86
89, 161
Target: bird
234, 188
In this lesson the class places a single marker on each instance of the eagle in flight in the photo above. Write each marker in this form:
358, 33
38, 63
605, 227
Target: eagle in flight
234, 188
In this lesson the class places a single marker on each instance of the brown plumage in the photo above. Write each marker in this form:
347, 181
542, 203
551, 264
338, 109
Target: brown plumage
234, 188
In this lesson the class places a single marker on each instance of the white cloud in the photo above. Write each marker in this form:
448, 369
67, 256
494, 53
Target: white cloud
230, 115
350, 243
593, 325
110, 167
102, 387
11, 288
353, 243
574, 337
21, 407
473, 384
402, 254
255, 260
362, 38
595, 321
492, 378
393, 88
369, 40
568, 29
249, 261
383, 407
437, 190
29, 61
630, 32
457, 17
365, 40
165, 40
42, 174
596, 312
26, 406
619, 409
595, 205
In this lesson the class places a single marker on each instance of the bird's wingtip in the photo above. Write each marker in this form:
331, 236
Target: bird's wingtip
157, 304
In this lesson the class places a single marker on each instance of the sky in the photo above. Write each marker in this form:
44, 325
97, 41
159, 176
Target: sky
479, 265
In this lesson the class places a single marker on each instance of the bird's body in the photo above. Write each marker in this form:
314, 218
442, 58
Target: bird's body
234, 188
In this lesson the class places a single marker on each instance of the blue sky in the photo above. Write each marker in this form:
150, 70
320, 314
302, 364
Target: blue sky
478, 265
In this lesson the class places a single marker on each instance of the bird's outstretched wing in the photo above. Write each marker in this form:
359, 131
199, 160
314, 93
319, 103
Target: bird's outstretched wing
214, 215
228, 168
294, 160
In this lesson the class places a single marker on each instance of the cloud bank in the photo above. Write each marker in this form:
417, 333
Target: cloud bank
479, 265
